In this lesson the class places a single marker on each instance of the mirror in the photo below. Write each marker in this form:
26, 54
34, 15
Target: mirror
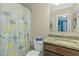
64, 17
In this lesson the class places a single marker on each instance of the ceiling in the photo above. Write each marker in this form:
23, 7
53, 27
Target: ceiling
53, 6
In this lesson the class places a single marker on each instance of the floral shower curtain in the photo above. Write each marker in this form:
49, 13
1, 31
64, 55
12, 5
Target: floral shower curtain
14, 30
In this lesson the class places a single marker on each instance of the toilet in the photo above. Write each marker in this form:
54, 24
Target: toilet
38, 49
33, 53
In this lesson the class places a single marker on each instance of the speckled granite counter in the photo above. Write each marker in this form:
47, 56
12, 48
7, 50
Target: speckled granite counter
73, 44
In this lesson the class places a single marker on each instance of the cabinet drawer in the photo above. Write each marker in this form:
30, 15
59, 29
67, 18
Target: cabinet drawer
66, 51
48, 53
61, 50
49, 48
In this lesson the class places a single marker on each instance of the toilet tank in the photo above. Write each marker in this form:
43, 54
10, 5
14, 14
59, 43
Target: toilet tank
38, 44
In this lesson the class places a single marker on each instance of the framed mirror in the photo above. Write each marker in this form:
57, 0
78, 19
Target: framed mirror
62, 18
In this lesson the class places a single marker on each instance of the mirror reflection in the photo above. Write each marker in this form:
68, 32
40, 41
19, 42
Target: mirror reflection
64, 17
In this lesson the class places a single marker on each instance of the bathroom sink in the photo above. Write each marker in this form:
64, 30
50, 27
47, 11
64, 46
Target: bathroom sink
66, 40
71, 41
74, 44
60, 41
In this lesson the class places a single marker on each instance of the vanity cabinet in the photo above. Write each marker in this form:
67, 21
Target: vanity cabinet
61, 51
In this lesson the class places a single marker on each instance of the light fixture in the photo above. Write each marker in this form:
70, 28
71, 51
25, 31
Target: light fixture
57, 4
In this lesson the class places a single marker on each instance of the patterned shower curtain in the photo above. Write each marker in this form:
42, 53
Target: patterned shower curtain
14, 31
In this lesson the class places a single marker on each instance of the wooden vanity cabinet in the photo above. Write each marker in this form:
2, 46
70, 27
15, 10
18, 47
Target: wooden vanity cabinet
61, 51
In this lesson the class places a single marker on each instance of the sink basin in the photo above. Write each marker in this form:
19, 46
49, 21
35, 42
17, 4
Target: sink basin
71, 41
66, 40
74, 44
63, 42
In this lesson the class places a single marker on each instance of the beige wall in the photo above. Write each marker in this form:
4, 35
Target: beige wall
40, 19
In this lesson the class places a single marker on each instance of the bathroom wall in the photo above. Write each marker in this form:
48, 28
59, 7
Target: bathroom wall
40, 19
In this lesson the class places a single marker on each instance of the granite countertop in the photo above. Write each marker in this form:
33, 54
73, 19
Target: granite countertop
73, 44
